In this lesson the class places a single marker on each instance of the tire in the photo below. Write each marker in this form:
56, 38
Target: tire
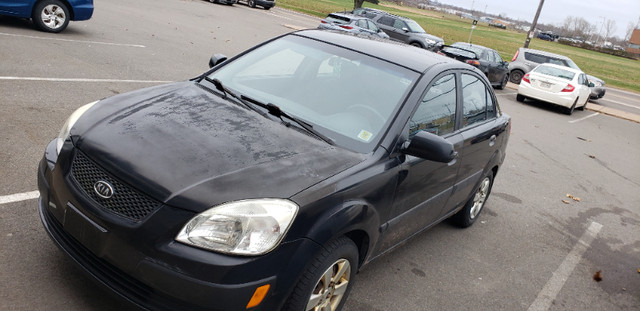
471, 210
504, 82
251, 3
51, 16
416, 44
267, 8
336, 265
516, 76
569, 111
520, 98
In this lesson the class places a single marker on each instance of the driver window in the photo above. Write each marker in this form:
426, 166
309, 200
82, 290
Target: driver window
398, 24
437, 111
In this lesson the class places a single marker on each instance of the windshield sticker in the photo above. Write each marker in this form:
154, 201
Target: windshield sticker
365, 135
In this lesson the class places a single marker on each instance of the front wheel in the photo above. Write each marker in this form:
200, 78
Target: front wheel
470, 212
252, 3
325, 284
520, 98
504, 81
51, 16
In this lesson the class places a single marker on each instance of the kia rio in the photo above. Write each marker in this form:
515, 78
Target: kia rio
267, 182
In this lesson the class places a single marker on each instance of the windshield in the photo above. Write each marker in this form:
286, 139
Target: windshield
555, 72
414, 27
573, 65
345, 95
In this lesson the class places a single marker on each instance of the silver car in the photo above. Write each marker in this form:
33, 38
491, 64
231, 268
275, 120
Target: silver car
526, 59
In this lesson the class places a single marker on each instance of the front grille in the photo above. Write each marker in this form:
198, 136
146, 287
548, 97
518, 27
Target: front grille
126, 201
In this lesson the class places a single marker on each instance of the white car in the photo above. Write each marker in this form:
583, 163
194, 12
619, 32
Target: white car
556, 84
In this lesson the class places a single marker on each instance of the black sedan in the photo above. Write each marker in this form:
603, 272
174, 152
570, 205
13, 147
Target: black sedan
484, 58
267, 182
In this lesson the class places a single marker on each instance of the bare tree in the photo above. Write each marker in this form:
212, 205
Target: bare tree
357, 3
609, 28
630, 27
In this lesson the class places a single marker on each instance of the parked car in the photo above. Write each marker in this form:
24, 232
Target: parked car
229, 2
268, 181
352, 23
556, 84
48, 15
526, 59
544, 36
265, 4
402, 29
484, 58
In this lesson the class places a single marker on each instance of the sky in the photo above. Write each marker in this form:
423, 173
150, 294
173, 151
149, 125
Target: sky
555, 11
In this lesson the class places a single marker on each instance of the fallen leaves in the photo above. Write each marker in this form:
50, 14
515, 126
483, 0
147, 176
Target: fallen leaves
570, 197
573, 198
597, 276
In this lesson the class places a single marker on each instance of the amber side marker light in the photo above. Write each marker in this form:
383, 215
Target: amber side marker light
258, 296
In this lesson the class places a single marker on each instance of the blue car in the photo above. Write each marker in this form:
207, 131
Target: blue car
48, 15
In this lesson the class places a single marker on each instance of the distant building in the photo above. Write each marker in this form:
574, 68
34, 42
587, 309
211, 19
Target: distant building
634, 43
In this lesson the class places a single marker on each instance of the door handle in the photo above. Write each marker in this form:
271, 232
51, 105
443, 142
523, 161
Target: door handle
492, 140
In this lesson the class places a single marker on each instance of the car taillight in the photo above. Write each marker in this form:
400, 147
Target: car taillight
568, 88
323, 21
473, 62
347, 27
515, 56
526, 78
440, 52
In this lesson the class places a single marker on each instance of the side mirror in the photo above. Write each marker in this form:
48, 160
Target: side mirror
430, 147
216, 59
591, 84
405, 29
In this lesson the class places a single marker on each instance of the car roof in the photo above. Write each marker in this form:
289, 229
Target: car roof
401, 54
560, 67
545, 53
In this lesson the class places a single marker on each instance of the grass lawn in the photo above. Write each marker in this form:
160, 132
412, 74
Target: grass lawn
618, 72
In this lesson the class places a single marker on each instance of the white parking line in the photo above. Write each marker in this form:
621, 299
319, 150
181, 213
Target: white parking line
554, 285
19, 197
81, 80
502, 94
70, 40
584, 118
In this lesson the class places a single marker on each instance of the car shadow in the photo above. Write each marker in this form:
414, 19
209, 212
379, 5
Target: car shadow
16, 22
546, 106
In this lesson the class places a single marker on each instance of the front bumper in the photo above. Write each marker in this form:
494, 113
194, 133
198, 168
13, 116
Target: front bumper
144, 265
266, 4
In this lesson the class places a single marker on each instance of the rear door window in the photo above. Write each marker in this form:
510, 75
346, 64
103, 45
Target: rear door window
474, 100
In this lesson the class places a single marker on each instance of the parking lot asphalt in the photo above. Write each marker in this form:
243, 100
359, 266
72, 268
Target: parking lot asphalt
534, 248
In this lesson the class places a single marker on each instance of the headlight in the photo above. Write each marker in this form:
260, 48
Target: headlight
64, 132
431, 42
247, 227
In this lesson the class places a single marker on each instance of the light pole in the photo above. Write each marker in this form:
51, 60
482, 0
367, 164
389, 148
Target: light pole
533, 25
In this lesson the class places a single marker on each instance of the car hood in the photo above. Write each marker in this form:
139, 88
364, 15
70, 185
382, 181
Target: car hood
432, 37
188, 148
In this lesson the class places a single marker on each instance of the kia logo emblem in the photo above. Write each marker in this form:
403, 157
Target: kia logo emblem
103, 189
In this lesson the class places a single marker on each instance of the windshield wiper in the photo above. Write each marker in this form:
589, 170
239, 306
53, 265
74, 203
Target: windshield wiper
220, 87
276, 111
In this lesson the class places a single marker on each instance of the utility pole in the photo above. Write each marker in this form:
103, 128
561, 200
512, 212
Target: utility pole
533, 25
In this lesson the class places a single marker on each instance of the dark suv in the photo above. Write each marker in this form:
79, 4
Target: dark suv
402, 29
